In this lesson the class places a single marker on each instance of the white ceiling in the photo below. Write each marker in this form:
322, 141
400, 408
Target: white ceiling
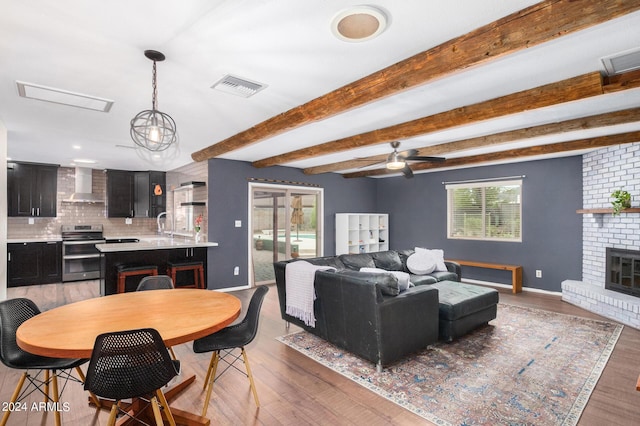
96, 48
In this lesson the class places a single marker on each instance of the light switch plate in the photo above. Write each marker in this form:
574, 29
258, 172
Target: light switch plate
128, 221
238, 223
31, 221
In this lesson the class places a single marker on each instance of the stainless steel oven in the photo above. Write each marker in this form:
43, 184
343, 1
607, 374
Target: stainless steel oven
80, 258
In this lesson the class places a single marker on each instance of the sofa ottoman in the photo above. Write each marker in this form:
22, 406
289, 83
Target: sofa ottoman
464, 307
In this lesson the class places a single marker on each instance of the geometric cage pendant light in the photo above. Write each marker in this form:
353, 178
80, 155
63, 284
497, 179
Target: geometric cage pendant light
152, 129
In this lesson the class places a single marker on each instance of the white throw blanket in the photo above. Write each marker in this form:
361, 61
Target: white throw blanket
299, 277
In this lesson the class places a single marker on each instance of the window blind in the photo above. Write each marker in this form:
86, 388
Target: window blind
485, 210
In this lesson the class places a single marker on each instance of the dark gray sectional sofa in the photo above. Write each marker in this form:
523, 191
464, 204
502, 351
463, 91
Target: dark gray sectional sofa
364, 313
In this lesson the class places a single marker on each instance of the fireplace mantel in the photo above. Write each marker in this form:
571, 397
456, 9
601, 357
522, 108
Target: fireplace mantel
607, 211
599, 213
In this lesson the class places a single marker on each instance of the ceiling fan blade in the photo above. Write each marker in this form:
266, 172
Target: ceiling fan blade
407, 172
422, 158
408, 153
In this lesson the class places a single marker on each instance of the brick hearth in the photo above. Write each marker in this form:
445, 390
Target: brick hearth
604, 171
611, 304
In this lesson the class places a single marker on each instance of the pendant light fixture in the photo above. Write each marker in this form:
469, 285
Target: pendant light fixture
152, 129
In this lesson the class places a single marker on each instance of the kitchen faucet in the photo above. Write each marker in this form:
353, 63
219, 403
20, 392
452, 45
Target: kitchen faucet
161, 227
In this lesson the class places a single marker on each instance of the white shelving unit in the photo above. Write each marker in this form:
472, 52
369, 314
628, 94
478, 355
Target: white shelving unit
361, 233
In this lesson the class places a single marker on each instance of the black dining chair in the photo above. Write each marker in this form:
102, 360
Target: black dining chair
13, 313
132, 364
235, 336
155, 282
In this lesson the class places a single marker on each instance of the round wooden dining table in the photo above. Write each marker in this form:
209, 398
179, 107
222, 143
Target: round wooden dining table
179, 315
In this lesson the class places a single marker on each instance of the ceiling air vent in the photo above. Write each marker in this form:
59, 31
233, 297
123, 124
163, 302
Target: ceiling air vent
238, 86
63, 97
622, 62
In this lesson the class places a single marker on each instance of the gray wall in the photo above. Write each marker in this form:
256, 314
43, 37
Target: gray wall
552, 231
228, 201
551, 234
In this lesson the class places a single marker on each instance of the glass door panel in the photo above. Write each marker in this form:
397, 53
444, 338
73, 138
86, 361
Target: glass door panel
268, 232
304, 225
284, 224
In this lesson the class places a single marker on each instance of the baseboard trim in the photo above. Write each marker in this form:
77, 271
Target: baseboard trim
226, 289
509, 286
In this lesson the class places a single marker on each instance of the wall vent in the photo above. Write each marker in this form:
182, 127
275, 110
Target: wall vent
238, 86
622, 62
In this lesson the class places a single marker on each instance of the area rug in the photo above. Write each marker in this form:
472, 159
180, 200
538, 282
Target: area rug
528, 366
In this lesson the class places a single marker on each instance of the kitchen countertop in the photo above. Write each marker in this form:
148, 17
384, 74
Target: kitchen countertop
153, 243
51, 239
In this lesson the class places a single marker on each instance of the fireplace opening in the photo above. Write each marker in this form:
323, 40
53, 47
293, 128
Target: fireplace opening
623, 271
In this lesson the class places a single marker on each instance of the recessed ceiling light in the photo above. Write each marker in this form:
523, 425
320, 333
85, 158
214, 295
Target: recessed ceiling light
359, 23
64, 97
84, 161
76, 147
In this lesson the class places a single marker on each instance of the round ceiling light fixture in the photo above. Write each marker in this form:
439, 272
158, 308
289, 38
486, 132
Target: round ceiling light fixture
359, 23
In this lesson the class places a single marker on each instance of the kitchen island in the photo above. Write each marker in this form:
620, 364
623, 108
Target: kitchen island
149, 251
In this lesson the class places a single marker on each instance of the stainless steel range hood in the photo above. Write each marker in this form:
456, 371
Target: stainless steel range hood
84, 188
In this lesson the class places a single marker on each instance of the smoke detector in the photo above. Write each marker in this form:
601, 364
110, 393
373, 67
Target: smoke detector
238, 86
359, 23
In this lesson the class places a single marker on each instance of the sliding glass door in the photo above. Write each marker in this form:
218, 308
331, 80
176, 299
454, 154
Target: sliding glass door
285, 224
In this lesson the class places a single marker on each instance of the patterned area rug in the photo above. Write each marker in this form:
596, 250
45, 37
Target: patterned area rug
528, 366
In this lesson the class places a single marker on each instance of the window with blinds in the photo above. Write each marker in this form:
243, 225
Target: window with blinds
485, 210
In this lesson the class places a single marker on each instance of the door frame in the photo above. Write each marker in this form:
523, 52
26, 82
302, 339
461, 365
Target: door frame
287, 189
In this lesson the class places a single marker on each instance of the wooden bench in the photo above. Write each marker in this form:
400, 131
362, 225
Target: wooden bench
516, 271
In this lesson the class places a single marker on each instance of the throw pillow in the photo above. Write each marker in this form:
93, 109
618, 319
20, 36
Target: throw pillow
403, 277
438, 258
421, 263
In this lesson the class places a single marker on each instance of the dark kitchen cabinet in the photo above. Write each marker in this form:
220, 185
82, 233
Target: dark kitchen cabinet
149, 193
32, 189
191, 254
51, 271
34, 263
135, 194
120, 192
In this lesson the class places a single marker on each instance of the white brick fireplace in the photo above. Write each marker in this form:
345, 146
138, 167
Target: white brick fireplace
603, 171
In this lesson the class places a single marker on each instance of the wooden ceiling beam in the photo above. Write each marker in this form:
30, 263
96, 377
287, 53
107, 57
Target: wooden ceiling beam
542, 22
572, 89
618, 82
600, 120
554, 148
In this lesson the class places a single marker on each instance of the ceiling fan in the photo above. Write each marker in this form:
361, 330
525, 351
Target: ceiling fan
400, 160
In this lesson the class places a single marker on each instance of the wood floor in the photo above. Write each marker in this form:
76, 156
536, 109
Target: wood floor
295, 390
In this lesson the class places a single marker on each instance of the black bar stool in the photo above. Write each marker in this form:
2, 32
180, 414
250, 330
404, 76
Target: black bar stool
125, 271
198, 272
